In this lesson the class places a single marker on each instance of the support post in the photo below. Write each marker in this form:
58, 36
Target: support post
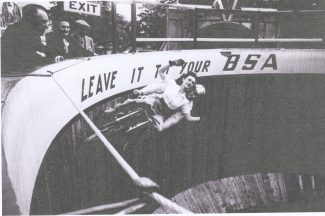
196, 23
277, 32
134, 26
114, 31
256, 28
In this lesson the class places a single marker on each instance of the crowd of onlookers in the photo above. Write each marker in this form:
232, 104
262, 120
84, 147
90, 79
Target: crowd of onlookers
25, 44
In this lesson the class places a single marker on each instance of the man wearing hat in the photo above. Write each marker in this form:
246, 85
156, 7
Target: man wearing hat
81, 39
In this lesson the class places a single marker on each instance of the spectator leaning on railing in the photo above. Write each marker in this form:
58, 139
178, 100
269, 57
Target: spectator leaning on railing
80, 37
60, 44
21, 43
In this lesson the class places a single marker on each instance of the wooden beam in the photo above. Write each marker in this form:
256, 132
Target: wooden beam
134, 26
196, 26
114, 30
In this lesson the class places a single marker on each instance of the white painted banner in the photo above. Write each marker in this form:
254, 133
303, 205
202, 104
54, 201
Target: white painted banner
82, 7
36, 110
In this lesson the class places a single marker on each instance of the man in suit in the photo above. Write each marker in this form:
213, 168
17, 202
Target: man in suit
22, 47
59, 43
82, 40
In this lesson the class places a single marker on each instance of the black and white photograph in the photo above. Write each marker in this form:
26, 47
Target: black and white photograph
162, 107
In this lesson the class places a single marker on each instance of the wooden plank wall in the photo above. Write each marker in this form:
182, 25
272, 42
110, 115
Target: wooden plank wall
234, 194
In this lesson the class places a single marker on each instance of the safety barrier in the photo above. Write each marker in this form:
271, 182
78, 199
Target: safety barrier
236, 40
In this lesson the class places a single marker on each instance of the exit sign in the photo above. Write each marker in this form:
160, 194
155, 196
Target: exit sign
88, 8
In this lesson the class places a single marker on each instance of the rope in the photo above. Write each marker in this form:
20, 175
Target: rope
132, 209
127, 168
137, 180
103, 207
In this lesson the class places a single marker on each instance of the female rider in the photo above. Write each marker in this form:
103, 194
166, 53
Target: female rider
174, 101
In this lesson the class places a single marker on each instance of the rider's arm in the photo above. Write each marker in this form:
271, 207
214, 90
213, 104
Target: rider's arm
186, 110
156, 87
159, 88
190, 118
162, 71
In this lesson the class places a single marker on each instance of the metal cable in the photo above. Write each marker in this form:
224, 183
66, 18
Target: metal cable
103, 207
132, 209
